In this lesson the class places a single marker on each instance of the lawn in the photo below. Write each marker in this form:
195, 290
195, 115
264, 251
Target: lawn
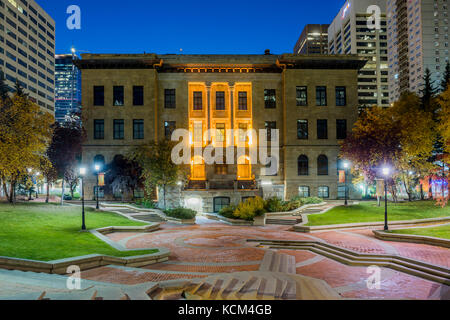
49, 232
370, 212
436, 232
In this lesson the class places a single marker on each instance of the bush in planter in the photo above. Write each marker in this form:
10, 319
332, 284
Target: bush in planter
311, 200
253, 207
148, 204
228, 212
181, 213
274, 205
292, 205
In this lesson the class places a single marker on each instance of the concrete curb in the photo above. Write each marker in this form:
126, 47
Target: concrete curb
387, 236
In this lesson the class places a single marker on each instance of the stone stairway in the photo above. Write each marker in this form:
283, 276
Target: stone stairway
148, 217
284, 221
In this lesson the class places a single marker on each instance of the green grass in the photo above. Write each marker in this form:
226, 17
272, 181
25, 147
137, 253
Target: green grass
442, 232
370, 212
49, 232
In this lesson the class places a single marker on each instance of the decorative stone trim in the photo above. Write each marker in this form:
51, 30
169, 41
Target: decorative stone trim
307, 229
387, 236
410, 266
234, 222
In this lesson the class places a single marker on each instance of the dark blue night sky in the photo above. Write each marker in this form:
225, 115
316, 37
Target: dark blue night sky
232, 27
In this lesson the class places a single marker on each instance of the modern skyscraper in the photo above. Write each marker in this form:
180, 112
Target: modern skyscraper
353, 32
67, 87
417, 40
313, 40
27, 50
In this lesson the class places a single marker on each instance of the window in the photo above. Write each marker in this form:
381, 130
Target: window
322, 129
321, 96
99, 129
242, 132
323, 192
138, 129
99, 96
118, 96
322, 165
302, 96
169, 128
242, 100
138, 96
198, 100
302, 129
270, 125
221, 202
170, 100
198, 131
221, 169
220, 132
220, 100
303, 192
119, 129
341, 96
341, 129
303, 165
270, 98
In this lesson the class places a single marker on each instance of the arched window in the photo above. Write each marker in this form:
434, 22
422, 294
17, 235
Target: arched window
303, 165
322, 165
99, 160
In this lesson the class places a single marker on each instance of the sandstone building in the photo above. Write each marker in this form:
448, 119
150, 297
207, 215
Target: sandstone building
130, 99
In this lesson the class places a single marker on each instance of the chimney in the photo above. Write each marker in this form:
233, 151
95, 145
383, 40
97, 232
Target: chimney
267, 52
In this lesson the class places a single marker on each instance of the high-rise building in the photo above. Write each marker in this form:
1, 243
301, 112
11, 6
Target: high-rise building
417, 40
313, 40
27, 50
67, 87
352, 32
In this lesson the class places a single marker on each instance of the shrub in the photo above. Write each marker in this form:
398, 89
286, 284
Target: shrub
181, 213
148, 204
274, 205
292, 205
228, 212
251, 208
311, 200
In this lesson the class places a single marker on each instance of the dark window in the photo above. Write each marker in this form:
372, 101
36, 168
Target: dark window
99, 129
270, 98
118, 96
270, 125
302, 96
341, 129
138, 95
302, 129
198, 100
321, 96
341, 96
322, 129
99, 96
138, 129
119, 129
220, 202
220, 100
170, 100
242, 103
169, 128
324, 192
322, 165
303, 165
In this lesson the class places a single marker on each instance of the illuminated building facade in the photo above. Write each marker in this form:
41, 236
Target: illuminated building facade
27, 50
67, 87
312, 100
352, 33
313, 40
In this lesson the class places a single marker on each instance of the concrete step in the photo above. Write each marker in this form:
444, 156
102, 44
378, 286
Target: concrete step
283, 222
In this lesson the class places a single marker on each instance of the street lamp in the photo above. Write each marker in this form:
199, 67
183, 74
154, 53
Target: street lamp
386, 172
97, 170
82, 174
346, 166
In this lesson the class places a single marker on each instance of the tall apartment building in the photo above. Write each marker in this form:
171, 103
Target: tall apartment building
27, 50
350, 33
313, 40
130, 100
67, 87
417, 40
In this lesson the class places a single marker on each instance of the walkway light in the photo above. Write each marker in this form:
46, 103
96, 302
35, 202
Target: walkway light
82, 174
97, 171
346, 166
386, 172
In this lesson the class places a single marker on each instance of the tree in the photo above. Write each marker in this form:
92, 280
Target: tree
65, 151
123, 176
49, 173
444, 118
158, 170
428, 93
25, 132
4, 91
446, 79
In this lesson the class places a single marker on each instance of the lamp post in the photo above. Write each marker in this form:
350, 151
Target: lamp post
346, 165
82, 174
29, 170
386, 172
97, 170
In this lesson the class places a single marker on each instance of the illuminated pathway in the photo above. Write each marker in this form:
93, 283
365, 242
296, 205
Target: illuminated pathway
208, 248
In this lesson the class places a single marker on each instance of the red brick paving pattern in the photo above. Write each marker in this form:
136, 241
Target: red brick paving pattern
204, 268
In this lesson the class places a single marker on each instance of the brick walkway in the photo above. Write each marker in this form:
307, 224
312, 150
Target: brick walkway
218, 248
